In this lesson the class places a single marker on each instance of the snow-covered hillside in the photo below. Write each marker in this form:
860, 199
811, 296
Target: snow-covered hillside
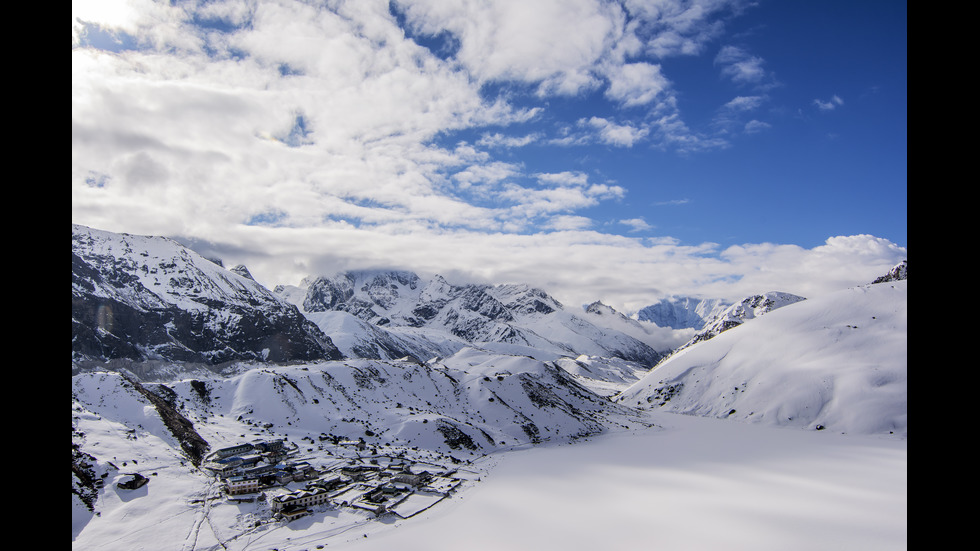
838, 362
455, 411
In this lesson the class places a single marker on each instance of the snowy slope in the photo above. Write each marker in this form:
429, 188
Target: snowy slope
458, 409
838, 362
151, 298
747, 309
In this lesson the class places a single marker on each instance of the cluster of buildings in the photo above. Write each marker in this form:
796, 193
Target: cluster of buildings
247, 468
379, 484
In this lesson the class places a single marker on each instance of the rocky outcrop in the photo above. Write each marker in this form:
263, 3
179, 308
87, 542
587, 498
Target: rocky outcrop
150, 298
899, 272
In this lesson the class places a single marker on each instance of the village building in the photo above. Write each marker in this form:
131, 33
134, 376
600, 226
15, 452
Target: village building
270, 446
233, 450
327, 483
224, 467
293, 503
241, 485
303, 471
360, 472
411, 479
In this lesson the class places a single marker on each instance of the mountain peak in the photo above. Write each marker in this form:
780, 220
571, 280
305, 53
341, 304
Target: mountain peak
242, 271
141, 297
899, 272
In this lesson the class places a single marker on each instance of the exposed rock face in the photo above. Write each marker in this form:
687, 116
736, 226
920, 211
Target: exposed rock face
150, 298
182, 429
897, 273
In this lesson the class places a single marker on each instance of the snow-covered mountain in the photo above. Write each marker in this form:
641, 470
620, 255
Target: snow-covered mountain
484, 369
838, 362
432, 317
683, 312
151, 298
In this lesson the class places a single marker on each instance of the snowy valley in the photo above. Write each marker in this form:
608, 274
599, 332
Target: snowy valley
433, 414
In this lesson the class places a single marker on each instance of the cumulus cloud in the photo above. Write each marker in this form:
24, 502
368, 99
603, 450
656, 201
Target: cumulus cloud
573, 263
635, 84
300, 138
555, 43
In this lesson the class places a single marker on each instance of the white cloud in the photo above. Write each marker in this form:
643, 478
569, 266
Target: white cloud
490, 173
529, 203
567, 178
635, 84
620, 135
829, 105
187, 136
575, 265
671, 131
500, 140
677, 27
568, 222
742, 67
744, 103
730, 118
637, 224
754, 126
554, 42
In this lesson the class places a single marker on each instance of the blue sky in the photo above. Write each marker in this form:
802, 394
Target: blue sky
602, 150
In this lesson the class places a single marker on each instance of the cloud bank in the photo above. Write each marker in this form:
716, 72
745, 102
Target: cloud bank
303, 137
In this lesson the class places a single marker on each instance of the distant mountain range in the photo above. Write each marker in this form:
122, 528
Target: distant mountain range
392, 314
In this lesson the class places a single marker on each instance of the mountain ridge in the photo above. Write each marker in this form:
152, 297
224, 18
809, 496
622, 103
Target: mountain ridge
142, 298
496, 316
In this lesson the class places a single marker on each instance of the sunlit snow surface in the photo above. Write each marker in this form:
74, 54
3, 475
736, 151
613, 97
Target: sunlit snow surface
748, 481
838, 361
695, 483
